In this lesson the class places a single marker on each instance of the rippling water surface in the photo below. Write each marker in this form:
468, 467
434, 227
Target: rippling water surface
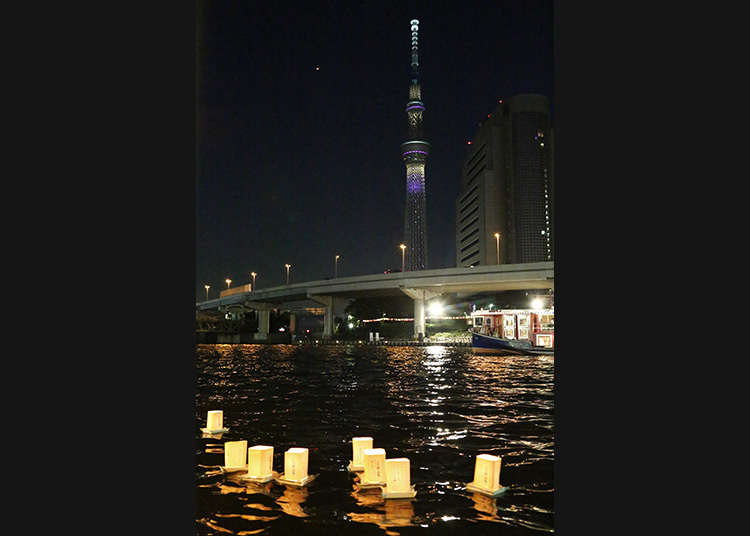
437, 406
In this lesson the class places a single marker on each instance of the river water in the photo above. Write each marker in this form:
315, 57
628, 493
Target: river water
437, 406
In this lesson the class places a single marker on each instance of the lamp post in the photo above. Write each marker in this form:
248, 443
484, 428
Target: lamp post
287, 272
336, 267
207, 287
253, 274
403, 250
497, 242
228, 282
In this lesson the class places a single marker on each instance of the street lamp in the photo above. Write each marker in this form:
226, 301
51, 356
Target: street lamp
403, 250
287, 272
497, 240
228, 281
253, 274
336, 267
207, 287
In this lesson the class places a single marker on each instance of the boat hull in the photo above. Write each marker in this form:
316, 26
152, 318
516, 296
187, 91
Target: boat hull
483, 344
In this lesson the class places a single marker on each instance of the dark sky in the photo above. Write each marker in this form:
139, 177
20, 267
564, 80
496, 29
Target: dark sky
296, 165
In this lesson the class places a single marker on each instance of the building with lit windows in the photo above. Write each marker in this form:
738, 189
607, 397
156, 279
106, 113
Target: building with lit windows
507, 187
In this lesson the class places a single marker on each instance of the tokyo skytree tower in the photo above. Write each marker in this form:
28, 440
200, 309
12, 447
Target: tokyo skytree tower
414, 151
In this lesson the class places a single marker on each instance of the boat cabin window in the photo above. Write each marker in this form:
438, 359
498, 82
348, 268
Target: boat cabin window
478, 321
547, 321
488, 321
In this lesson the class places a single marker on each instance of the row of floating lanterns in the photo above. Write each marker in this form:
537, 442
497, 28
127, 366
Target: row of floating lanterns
392, 475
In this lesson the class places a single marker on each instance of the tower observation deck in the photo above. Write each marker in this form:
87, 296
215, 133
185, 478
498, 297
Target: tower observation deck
414, 151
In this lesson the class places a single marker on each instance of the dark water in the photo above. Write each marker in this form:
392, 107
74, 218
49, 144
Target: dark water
437, 406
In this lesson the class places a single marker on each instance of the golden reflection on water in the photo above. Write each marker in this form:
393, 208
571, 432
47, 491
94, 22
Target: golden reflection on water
250, 517
214, 448
368, 497
394, 513
226, 489
485, 504
214, 526
291, 501
251, 350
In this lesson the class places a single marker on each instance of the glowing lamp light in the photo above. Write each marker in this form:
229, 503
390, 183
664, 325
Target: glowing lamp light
215, 419
351, 325
374, 462
537, 304
282, 329
359, 445
260, 461
235, 453
436, 309
487, 472
468, 143
295, 464
397, 478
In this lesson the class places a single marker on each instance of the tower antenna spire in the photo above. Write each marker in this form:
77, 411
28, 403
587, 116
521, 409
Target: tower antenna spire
415, 48
414, 152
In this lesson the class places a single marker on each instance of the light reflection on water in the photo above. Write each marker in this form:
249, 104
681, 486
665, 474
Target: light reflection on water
438, 406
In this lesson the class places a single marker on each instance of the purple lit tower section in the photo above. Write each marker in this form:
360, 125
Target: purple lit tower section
414, 152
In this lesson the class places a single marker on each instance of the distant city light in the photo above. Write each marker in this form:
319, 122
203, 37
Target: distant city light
468, 143
282, 329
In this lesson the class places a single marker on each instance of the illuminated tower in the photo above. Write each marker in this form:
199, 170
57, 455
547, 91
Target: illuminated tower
414, 152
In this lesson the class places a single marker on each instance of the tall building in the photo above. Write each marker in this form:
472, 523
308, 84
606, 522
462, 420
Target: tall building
507, 187
414, 151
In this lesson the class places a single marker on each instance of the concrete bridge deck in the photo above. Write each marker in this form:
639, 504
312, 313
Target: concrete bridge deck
419, 285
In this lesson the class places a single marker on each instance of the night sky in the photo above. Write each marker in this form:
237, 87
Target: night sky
296, 165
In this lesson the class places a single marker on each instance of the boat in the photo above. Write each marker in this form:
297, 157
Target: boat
513, 332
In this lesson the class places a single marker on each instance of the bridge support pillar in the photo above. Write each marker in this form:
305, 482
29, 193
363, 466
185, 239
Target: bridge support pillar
264, 322
331, 304
420, 296
264, 319
327, 302
419, 328
292, 324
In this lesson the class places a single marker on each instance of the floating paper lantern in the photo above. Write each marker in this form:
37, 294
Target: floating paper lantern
260, 463
295, 464
214, 422
398, 479
235, 454
359, 444
374, 462
487, 475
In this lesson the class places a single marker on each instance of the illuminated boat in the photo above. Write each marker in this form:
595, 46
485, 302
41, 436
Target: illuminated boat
513, 332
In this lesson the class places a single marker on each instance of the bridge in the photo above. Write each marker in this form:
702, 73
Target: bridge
422, 285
